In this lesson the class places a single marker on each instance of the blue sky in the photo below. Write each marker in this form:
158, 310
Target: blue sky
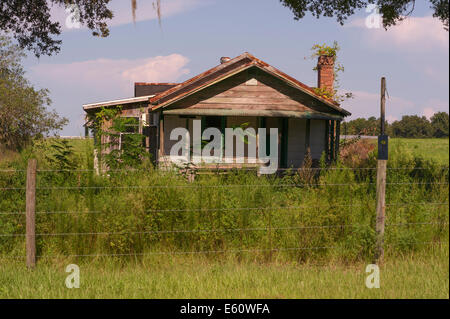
413, 56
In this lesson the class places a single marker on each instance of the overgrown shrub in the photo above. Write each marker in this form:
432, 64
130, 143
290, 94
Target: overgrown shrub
357, 152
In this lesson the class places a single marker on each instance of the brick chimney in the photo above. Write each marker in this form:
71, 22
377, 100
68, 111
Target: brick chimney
325, 72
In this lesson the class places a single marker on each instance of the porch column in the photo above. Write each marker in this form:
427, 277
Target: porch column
161, 135
307, 136
332, 140
338, 136
327, 140
284, 141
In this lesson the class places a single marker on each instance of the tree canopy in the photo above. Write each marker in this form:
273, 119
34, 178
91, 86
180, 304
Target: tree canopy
411, 126
391, 11
439, 121
30, 23
23, 109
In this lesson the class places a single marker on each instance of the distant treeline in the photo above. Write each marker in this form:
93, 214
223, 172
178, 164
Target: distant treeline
412, 126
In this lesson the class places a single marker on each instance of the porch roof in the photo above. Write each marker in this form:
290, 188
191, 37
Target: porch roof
117, 102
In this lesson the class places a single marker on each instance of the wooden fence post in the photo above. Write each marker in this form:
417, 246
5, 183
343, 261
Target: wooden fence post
30, 214
381, 209
381, 178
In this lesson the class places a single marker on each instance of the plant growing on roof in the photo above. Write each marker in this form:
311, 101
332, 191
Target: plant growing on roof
325, 49
330, 51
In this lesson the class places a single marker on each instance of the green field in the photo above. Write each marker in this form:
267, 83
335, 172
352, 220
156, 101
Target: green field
436, 149
419, 275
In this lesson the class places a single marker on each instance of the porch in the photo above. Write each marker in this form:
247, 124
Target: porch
296, 135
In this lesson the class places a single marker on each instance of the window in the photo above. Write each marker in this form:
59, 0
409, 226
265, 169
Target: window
132, 125
131, 133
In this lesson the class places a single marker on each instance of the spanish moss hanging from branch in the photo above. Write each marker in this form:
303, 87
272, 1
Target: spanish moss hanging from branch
156, 6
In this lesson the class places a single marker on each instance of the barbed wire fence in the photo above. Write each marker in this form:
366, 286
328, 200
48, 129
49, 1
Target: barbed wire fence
30, 213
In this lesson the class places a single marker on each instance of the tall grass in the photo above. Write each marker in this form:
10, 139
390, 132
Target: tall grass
295, 217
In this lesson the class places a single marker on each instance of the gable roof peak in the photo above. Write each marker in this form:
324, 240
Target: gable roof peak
233, 66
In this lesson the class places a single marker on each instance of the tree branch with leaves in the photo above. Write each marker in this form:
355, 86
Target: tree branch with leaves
392, 12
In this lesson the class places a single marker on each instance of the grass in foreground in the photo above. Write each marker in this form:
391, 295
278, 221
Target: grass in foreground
419, 275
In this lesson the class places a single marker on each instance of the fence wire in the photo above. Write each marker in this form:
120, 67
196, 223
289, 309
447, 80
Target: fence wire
221, 186
178, 231
199, 252
205, 210
216, 169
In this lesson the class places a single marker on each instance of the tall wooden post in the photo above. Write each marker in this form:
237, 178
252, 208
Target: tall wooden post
30, 214
381, 178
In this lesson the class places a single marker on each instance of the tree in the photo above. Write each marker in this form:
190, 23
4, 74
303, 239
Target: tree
29, 22
391, 11
412, 126
23, 109
439, 122
362, 126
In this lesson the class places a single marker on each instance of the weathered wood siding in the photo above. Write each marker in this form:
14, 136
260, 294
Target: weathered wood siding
296, 142
252, 90
171, 122
317, 137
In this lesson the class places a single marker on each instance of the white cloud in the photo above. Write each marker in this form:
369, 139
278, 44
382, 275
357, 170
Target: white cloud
418, 33
428, 112
433, 106
390, 119
145, 11
111, 77
158, 69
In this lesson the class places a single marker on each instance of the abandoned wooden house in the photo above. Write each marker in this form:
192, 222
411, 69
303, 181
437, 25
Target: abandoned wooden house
240, 90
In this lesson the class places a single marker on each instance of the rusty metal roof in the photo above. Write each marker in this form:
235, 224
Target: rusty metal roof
227, 69
143, 88
130, 100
